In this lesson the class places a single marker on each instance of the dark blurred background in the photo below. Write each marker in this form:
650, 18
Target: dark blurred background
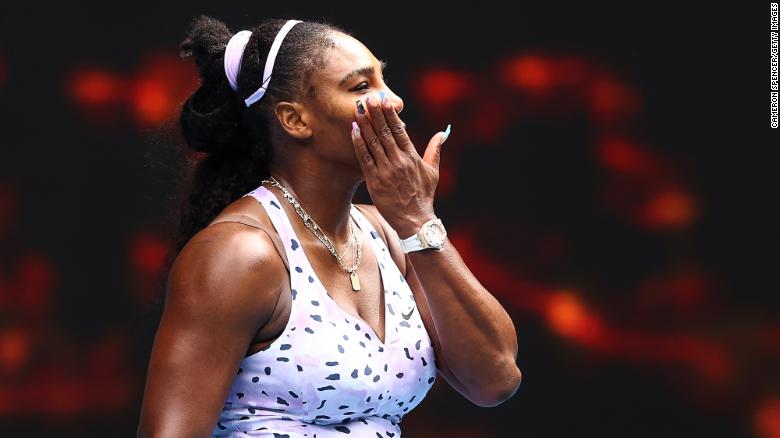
609, 178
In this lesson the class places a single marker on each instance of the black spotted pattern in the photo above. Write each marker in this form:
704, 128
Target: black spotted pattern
310, 367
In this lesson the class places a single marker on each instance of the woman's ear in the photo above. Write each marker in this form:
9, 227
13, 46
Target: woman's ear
292, 119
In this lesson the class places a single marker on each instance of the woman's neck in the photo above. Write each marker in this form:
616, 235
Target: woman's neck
324, 192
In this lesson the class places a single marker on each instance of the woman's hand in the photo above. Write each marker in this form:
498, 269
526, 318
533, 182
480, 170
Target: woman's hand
400, 182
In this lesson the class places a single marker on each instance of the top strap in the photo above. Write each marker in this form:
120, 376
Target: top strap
271, 233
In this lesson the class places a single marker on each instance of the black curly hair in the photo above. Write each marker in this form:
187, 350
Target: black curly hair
234, 141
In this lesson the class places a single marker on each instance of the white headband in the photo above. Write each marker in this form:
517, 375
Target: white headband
234, 52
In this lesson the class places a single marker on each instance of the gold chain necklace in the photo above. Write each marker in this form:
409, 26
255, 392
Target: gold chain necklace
314, 228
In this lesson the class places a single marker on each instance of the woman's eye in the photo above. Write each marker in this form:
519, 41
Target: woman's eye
362, 86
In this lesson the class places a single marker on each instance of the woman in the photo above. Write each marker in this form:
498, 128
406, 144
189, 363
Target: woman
291, 311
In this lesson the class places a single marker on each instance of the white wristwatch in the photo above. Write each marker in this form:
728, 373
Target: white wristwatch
432, 235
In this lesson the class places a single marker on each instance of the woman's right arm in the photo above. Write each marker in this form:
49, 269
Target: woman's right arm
222, 289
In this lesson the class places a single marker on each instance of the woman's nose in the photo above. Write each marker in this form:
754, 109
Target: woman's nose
397, 102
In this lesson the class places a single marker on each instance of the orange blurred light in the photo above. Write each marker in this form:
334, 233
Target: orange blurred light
683, 292
36, 280
148, 253
94, 87
151, 100
529, 72
14, 349
489, 122
569, 317
689, 290
571, 71
152, 95
161, 84
610, 100
766, 420
443, 87
669, 209
621, 155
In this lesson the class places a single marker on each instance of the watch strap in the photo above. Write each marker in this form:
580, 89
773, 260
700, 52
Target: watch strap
412, 243
417, 241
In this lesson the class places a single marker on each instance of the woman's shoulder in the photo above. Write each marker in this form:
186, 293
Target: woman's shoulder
230, 263
238, 233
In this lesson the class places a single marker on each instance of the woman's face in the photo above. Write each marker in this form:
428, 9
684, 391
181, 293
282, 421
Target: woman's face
351, 74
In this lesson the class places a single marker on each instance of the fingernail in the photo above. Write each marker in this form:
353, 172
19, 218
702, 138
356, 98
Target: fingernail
361, 109
355, 127
446, 134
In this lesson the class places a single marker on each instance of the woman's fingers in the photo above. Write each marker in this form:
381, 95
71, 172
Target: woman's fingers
397, 127
372, 141
365, 158
382, 129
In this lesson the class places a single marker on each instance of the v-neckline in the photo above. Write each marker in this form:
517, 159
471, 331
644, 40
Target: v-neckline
354, 212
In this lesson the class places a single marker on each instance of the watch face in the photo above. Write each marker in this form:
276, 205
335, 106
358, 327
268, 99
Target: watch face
435, 234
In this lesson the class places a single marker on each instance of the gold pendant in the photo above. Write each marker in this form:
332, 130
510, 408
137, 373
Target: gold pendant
355, 281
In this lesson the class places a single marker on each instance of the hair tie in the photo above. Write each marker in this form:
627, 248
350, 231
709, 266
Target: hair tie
234, 52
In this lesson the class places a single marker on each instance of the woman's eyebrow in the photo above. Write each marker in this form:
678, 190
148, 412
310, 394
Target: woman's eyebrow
365, 71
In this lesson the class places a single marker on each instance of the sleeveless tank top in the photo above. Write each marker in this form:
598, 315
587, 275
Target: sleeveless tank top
328, 374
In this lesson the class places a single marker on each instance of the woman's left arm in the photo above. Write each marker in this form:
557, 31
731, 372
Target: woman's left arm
476, 335
472, 335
